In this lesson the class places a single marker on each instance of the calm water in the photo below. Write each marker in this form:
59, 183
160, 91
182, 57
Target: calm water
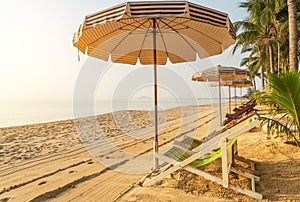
15, 113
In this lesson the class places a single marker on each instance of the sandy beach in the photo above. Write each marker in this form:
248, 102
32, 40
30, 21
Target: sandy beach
67, 160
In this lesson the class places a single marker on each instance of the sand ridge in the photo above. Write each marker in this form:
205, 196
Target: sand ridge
51, 161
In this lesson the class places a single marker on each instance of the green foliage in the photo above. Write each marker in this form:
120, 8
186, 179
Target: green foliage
283, 98
250, 92
264, 34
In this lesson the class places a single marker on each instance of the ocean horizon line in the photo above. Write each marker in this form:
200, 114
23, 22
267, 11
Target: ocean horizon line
60, 111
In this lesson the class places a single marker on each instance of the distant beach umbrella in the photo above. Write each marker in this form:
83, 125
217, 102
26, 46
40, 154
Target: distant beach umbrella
152, 32
244, 83
222, 76
221, 73
238, 83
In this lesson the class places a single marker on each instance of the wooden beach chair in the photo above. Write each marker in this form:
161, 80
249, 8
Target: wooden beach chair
240, 112
191, 154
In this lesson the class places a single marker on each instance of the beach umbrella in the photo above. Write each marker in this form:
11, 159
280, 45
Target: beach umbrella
244, 83
221, 75
152, 32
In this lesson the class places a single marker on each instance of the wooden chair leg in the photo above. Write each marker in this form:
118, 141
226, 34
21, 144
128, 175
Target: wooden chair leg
225, 172
253, 184
235, 148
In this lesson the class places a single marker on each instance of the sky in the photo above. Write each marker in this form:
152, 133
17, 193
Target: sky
39, 62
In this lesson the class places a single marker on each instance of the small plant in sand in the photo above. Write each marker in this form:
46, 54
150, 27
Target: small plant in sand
283, 98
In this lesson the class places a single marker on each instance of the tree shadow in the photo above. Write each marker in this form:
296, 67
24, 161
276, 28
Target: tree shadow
280, 181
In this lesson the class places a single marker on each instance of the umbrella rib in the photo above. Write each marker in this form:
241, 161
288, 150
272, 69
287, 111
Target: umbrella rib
164, 42
144, 40
170, 21
120, 28
179, 23
131, 18
180, 35
127, 36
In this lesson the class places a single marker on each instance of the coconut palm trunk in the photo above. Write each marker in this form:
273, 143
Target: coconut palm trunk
271, 58
278, 57
292, 9
262, 76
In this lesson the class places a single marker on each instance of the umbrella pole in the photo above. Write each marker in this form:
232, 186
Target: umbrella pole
155, 142
220, 104
241, 98
235, 97
229, 94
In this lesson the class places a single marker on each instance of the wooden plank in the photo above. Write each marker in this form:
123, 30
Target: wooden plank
246, 191
176, 166
235, 148
242, 159
225, 172
165, 158
253, 172
220, 181
204, 174
253, 184
242, 130
207, 176
182, 145
247, 161
229, 168
252, 165
206, 148
230, 155
245, 174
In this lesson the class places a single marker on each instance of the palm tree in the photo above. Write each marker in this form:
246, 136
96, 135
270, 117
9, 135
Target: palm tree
282, 46
259, 32
252, 65
270, 23
283, 97
292, 9
249, 41
281, 26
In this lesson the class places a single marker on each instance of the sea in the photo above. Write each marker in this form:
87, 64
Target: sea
16, 113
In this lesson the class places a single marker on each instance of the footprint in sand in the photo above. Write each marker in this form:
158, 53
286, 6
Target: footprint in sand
4, 199
41, 183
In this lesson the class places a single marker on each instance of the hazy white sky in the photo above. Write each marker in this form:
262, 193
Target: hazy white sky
38, 60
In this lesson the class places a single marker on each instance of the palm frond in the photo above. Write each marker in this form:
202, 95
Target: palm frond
278, 127
283, 95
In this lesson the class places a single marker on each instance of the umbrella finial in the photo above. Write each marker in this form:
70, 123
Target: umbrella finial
218, 68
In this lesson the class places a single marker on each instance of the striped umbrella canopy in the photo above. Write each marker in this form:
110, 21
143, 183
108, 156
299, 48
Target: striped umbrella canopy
182, 31
153, 32
223, 76
224, 73
244, 83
